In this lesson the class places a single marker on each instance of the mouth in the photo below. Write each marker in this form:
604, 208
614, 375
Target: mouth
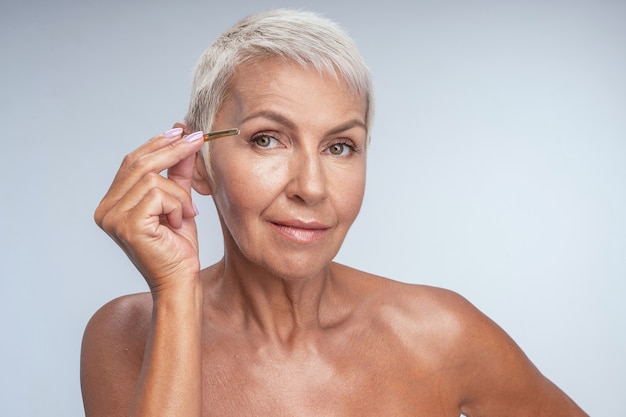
301, 232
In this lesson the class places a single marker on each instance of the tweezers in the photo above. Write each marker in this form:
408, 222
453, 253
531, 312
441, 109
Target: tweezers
220, 134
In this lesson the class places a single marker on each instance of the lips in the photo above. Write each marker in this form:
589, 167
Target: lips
300, 231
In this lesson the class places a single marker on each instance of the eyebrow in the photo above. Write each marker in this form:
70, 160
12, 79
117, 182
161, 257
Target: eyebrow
279, 118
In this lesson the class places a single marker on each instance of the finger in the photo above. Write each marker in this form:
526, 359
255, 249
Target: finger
186, 129
158, 205
110, 213
161, 153
137, 165
169, 155
156, 155
146, 234
151, 212
143, 220
155, 143
169, 189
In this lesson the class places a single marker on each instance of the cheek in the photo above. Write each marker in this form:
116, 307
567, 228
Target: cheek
267, 176
349, 193
248, 185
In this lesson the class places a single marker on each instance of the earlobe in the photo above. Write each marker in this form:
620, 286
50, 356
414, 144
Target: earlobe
200, 179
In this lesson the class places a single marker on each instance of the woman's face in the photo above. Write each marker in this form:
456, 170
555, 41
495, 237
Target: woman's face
289, 186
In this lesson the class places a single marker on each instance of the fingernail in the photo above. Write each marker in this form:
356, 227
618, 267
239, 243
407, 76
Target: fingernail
194, 136
173, 132
195, 208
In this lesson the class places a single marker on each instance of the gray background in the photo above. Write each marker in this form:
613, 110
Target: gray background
497, 169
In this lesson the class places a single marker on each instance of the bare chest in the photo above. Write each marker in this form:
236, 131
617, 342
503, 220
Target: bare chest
313, 383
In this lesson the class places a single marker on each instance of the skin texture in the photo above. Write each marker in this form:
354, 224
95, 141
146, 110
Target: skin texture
276, 328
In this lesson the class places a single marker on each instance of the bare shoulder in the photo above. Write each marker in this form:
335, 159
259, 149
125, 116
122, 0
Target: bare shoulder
413, 305
427, 312
112, 351
124, 320
436, 322
447, 335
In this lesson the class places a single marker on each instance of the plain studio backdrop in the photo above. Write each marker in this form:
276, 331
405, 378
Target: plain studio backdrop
497, 169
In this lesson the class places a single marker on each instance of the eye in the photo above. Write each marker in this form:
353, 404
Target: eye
341, 149
263, 140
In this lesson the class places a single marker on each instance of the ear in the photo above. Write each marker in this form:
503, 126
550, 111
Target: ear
200, 180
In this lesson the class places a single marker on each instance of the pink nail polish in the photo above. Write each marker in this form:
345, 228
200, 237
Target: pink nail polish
172, 132
195, 208
194, 136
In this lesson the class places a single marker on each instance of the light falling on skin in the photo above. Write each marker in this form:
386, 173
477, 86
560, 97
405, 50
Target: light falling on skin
400, 321
283, 372
290, 189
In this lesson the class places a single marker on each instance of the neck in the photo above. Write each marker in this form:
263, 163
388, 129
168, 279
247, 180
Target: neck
280, 308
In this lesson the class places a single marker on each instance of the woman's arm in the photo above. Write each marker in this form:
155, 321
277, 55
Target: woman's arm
151, 218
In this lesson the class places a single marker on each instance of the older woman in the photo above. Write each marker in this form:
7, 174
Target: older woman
276, 328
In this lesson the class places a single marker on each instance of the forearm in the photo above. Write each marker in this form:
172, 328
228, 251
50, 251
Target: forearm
170, 382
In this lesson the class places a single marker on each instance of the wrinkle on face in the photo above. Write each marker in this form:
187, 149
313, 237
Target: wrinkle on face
250, 189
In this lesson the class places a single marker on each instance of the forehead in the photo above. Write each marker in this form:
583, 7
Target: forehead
274, 79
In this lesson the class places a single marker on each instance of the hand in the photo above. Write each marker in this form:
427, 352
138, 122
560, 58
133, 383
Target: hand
152, 217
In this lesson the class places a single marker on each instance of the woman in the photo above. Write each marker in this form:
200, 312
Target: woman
276, 327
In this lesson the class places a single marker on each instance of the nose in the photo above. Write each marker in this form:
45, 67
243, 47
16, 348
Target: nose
307, 180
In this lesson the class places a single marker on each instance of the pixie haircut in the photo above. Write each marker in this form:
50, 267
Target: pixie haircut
305, 38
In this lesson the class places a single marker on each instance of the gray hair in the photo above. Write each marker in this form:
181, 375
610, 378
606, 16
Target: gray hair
302, 37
